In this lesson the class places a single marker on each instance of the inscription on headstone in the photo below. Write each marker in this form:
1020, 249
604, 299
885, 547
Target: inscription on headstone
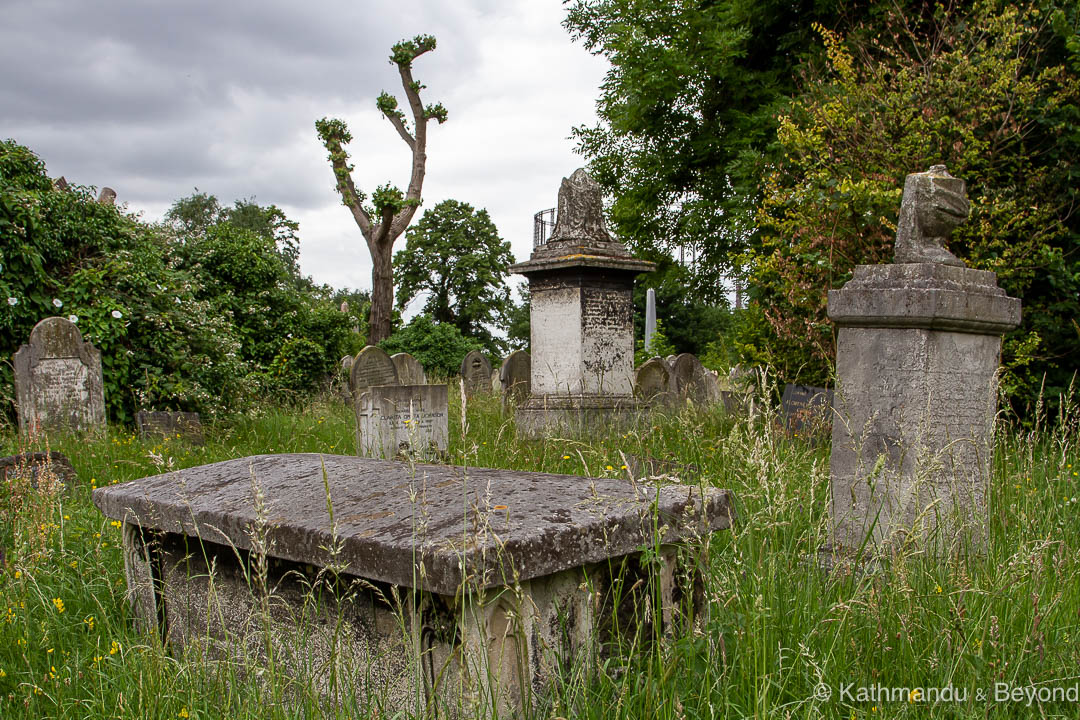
476, 372
372, 366
411, 420
58, 383
409, 369
805, 407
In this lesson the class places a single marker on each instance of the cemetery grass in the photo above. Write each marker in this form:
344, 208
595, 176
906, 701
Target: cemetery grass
782, 639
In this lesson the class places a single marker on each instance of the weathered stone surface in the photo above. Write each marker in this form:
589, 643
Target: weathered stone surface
372, 366
161, 423
917, 355
653, 382
476, 372
58, 382
405, 420
934, 203
33, 464
346, 363
107, 196
515, 376
409, 369
688, 374
525, 525
805, 406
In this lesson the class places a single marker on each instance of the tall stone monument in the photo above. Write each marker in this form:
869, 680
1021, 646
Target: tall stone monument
916, 361
58, 382
581, 282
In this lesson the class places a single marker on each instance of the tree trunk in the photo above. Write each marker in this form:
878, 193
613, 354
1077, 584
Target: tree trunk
382, 291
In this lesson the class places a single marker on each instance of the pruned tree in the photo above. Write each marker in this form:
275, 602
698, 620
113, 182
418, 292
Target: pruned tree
391, 210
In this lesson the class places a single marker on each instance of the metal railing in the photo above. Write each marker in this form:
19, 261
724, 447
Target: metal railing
543, 224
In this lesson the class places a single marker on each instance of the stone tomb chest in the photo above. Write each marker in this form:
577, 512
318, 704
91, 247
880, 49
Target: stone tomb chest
460, 589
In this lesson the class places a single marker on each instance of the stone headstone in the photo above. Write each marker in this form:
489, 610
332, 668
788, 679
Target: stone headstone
804, 406
107, 196
515, 376
371, 366
58, 382
476, 372
346, 363
32, 465
653, 382
164, 423
689, 377
406, 420
409, 369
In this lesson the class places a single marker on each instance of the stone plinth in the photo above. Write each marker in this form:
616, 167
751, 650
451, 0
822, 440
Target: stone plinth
467, 587
916, 362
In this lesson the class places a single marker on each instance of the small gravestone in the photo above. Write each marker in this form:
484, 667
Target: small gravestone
653, 382
515, 376
689, 377
805, 407
161, 423
372, 366
403, 420
58, 383
346, 363
32, 465
496, 382
476, 372
409, 369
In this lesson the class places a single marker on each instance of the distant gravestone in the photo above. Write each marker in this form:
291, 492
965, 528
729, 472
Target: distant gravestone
805, 405
408, 420
372, 366
476, 372
58, 383
515, 376
409, 369
689, 376
653, 382
346, 363
496, 382
31, 466
161, 423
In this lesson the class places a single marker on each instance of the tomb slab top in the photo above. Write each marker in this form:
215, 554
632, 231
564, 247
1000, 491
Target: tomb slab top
432, 527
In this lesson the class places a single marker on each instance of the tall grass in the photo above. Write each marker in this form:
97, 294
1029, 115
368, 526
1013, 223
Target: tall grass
782, 638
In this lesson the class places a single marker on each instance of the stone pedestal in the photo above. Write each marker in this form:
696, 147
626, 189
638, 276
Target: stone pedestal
916, 362
581, 286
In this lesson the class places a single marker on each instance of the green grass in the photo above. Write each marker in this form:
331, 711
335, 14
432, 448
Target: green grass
778, 628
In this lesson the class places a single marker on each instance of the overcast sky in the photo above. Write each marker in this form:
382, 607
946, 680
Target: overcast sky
155, 99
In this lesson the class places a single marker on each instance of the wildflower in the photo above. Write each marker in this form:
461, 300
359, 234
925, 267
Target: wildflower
13, 301
184, 712
49, 651
610, 467
57, 303
565, 457
114, 648
622, 467
89, 620
115, 523
938, 588
73, 318
18, 574
59, 604
97, 659
915, 695
74, 564
2, 673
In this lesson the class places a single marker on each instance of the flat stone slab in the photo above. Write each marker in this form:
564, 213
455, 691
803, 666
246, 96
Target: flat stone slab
433, 527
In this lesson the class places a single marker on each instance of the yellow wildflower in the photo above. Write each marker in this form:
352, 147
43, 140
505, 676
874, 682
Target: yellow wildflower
59, 604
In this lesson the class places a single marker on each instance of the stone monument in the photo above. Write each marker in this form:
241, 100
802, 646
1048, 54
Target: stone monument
653, 383
476, 372
58, 383
515, 376
581, 283
916, 362
409, 369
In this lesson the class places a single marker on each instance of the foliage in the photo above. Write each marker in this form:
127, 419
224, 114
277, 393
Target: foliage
660, 346
519, 321
455, 257
981, 88
438, 346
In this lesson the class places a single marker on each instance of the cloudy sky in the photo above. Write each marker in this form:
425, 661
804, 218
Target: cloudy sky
155, 99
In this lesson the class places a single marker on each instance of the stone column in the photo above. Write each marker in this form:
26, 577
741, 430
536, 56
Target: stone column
916, 361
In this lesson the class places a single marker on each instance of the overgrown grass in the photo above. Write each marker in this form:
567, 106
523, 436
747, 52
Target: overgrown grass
780, 629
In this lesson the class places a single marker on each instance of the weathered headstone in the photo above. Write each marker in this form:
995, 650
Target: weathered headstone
160, 423
409, 369
476, 372
689, 376
31, 465
650, 318
917, 354
409, 420
806, 406
515, 377
346, 364
58, 382
371, 366
653, 382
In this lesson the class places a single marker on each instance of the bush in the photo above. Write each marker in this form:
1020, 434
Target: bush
438, 346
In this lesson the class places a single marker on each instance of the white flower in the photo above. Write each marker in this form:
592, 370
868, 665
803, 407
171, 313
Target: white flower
73, 318
117, 314
57, 302
177, 300
13, 301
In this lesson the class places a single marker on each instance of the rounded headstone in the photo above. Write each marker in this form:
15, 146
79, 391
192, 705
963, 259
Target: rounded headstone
372, 366
689, 375
515, 375
409, 369
476, 372
653, 382
346, 363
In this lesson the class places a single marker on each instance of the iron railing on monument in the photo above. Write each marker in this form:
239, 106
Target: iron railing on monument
543, 224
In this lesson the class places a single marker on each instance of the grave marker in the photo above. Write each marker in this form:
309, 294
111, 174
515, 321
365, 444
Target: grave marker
476, 372
804, 406
689, 376
653, 382
409, 420
409, 369
515, 377
161, 423
372, 366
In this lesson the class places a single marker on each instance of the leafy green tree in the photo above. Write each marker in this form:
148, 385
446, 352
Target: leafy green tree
454, 256
438, 346
519, 326
391, 211
690, 322
984, 88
